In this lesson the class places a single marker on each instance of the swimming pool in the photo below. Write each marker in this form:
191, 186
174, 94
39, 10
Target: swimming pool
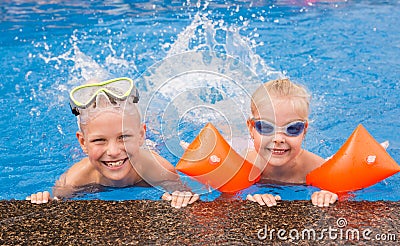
345, 52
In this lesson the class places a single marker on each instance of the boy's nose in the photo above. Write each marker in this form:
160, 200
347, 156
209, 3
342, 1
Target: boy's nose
114, 149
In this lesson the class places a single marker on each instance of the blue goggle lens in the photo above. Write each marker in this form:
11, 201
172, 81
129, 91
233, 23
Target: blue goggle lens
292, 129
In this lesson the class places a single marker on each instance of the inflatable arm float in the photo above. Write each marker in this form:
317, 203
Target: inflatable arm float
212, 161
359, 163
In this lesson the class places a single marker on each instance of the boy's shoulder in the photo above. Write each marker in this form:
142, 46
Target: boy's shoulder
151, 166
79, 173
150, 158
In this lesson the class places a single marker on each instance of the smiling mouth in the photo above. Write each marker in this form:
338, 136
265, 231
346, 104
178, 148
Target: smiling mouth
278, 151
114, 164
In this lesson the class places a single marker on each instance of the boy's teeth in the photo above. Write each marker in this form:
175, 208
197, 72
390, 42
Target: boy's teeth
114, 163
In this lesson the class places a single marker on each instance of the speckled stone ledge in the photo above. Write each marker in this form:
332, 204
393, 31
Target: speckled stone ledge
203, 223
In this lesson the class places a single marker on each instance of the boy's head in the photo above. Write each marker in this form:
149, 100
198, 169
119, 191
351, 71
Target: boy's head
296, 94
111, 132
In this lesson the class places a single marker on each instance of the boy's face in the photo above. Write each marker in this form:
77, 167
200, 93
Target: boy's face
277, 149
112, 142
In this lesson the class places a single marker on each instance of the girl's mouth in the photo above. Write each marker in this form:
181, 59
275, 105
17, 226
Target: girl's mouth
114, 164
278, 151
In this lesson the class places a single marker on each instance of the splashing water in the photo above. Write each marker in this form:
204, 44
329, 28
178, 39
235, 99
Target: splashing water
208, 76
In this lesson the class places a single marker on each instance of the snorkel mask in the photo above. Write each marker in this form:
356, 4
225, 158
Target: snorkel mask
117, 94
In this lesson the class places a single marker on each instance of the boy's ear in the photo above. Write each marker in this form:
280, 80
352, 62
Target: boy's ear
142, 134
81, 140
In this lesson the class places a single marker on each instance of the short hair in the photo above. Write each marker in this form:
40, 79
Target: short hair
129, 109
296, 93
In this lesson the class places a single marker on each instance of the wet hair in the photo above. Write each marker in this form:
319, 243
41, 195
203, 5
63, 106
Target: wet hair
296, 93
121, 108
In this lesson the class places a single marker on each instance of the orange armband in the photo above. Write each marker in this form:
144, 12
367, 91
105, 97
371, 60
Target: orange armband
359, 163
212, 161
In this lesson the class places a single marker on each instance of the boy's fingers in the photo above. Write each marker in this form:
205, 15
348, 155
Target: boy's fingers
174, 199
259, 199
181, 199
186, 198
39, 197
177, 199
46, 196
194, 198
333, 199
166, 196
33, 198
250, 198
269, 200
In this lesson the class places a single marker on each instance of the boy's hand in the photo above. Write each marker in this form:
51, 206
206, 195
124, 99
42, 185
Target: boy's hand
264, 199
180, 198
40, 197
323, 198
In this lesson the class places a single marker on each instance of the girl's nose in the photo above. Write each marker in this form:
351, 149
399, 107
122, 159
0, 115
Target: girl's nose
279, 138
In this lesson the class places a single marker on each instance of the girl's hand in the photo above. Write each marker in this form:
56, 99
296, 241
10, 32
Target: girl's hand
323, 198
264, 199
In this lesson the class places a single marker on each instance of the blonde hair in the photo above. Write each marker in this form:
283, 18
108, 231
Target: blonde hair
131, 109
297, 94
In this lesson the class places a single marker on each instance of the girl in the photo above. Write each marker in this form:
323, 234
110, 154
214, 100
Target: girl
278, 126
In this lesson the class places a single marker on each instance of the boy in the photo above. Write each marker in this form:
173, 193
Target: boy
111, 135
278, 126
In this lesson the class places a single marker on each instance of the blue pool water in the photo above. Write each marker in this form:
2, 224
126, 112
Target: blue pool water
345, 52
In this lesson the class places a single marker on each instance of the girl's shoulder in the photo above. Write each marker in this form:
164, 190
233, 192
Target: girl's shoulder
311, 160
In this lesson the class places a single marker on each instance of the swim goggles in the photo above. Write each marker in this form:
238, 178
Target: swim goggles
266, 128
83, 96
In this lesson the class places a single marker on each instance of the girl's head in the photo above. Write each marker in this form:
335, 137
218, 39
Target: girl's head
279, 120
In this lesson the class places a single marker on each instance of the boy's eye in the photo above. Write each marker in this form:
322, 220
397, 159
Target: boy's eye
97, 140
124, 137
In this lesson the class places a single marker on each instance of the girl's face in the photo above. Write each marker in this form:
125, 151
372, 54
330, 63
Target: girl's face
277, 149
112, 142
